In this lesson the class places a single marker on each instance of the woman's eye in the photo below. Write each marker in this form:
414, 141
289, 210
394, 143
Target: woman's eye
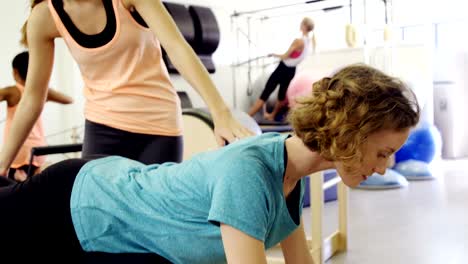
383, 156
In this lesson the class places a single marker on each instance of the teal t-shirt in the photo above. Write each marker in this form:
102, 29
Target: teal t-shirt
174, 210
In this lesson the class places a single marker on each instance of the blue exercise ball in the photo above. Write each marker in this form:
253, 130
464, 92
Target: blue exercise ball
414, 170
423, 144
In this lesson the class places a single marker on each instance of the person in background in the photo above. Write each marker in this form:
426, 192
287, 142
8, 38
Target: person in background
286, 69
12, 95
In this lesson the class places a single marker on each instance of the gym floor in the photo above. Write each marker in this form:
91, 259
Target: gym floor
424, 223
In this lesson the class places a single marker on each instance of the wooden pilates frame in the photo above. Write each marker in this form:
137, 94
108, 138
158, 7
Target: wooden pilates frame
322, 248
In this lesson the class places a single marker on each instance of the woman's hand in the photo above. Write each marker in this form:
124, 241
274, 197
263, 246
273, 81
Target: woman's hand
227, 128
274, 55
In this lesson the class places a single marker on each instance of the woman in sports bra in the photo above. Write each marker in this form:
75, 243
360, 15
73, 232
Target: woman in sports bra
131, 108
284, 73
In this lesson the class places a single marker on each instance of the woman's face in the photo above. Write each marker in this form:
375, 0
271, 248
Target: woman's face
302, 27
376, 152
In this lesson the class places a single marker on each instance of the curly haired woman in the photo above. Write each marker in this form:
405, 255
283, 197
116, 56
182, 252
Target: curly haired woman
227, 205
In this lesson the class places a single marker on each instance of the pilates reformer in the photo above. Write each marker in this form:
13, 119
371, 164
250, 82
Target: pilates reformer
54, 149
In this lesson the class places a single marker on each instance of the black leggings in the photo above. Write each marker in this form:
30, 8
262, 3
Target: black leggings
35, 214
101, 140
36, 220
282, 76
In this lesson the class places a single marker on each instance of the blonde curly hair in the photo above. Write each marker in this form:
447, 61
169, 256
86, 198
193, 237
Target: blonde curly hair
346, 108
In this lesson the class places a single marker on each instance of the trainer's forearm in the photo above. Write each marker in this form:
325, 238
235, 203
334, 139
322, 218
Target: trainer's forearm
192, 70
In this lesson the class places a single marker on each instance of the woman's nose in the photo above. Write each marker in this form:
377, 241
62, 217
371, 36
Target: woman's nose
380, 169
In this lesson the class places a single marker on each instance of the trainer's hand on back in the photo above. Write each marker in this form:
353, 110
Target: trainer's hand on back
227, 128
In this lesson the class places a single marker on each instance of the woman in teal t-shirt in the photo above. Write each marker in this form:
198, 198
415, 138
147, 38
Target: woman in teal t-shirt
227, 205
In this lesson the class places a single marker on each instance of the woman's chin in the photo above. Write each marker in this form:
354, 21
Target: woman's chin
351, 183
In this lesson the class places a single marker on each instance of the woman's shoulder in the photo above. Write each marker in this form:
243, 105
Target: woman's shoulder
266, 142
41, 20
259, 152
41, 9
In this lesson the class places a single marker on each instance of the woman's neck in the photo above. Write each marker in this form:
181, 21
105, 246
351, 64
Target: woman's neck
302, 162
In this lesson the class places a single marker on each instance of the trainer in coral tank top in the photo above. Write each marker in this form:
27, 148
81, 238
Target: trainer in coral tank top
35, 138
126, 82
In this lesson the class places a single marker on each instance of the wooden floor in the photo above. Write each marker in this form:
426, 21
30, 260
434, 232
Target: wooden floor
424, 223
